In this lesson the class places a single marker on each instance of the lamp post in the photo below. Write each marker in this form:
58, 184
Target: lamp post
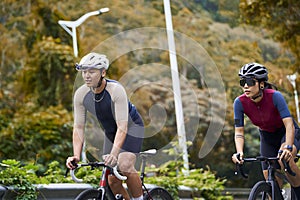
176, 87
292, 79
70, 26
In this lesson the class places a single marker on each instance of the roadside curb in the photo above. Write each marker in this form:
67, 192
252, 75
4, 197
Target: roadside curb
68, 191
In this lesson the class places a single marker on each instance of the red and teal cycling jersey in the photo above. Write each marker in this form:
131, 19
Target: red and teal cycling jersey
266, 114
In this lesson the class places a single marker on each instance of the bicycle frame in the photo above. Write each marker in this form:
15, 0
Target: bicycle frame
103, 191
144, 156
276, 192
104, 186
271, 179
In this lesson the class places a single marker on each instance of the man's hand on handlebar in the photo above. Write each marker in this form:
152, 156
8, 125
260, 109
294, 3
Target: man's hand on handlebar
238, 158
110, 160
71, 162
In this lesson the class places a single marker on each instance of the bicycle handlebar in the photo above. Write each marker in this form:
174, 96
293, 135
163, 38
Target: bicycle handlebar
239, 167
96, 164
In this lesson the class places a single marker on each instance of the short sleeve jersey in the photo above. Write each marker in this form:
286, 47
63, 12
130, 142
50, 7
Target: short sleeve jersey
266, 114
110, 106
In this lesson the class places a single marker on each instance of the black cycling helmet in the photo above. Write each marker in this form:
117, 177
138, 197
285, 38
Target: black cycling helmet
254, 70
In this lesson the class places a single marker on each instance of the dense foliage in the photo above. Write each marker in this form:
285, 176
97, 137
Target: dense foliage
282, 17
24, 178
171, 175
36, 135
19, 177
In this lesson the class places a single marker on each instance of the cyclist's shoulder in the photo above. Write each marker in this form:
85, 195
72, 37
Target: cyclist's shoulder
270, 91
113, 83
81, 91
240, 98
114, 87
275, 94
237, 103
82, 88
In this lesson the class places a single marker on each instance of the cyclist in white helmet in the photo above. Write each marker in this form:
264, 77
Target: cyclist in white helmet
267, 109
123, 126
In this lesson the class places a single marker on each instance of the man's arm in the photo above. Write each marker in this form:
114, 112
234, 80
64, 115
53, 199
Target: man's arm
120, 101
111, 159
120, 138
79, 124
78, 139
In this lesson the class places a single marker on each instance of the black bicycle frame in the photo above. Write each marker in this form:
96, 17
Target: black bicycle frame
272, 180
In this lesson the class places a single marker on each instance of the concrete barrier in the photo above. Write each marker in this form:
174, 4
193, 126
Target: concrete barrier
68, 191
237, 193
59, 191
2, 191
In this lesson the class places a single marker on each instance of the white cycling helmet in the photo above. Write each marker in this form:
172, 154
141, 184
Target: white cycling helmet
254, 70
93, 60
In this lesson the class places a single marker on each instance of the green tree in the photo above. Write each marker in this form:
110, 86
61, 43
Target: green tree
47, 79
280, 17
37, 134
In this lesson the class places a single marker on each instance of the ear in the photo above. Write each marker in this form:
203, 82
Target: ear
262, 85
103, 73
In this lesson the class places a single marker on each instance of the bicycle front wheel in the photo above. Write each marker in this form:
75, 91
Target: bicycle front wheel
158, 194
261, 190
90, 194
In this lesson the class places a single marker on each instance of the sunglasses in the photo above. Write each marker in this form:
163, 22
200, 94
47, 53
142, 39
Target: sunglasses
249, 81
84, 67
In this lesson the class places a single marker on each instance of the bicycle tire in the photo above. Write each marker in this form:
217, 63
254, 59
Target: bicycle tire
261, 190
158, 193
89, 194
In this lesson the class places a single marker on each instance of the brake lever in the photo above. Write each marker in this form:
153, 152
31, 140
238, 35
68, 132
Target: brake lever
68, 170
239, 167
286, 165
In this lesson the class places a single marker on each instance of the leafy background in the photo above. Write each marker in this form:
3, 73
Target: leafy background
37, 69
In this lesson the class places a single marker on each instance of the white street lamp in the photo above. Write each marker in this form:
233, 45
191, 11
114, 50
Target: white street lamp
292, 79
70, 26
176, 86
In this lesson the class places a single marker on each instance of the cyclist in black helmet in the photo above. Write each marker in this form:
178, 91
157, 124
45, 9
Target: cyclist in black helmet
267, 109
106, 99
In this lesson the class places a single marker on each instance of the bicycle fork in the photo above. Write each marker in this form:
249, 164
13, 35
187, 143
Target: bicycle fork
104, 186
276, 191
